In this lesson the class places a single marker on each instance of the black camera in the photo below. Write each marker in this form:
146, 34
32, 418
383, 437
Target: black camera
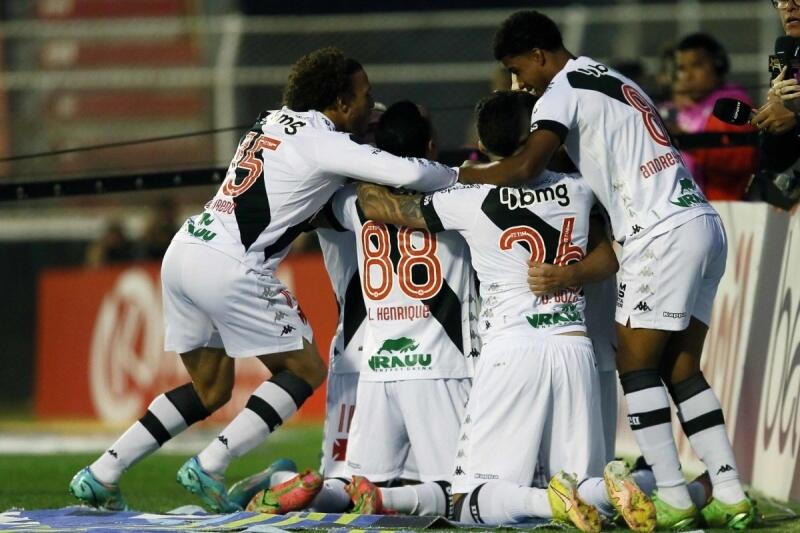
787, 54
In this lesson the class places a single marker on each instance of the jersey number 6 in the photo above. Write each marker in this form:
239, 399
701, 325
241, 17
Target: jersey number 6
377, 256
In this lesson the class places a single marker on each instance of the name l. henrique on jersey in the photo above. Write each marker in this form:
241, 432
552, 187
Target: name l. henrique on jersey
615, 136
546, 221
286, 167
417, 288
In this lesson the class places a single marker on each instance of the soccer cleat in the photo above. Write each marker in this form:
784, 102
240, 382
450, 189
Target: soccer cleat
293, 494
243, 491
567, 506
669, 517
210, 489
732, 516
366, 496
91, 491
630, 501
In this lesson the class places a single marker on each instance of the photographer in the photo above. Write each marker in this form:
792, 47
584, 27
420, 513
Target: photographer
778, 178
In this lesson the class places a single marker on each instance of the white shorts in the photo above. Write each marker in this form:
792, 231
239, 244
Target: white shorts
213, 300
665, 280
393, 418
339, 411
531, 402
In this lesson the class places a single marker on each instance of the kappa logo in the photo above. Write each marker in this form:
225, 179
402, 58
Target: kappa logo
279, 315
288, 328
487, 324
667, 314
458, 471
642, 306
725, 468
223, 439
636, 228
113, 453
646, 272
644, 289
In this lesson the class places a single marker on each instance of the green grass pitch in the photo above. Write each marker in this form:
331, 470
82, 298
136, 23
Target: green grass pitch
40, 481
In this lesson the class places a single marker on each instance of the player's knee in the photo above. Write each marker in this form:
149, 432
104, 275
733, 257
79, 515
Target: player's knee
214, 395
315, 372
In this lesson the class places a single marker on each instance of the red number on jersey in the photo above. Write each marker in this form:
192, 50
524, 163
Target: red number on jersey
424, 256
378, 257
247, 159
652, 120
566, 253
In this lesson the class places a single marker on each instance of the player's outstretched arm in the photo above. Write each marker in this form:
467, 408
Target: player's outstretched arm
517, 169
600, 263
381, 204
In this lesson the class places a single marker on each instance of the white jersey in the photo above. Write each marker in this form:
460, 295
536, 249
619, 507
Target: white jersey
613, 133
339, 253
545, 221
285, 169
418, 291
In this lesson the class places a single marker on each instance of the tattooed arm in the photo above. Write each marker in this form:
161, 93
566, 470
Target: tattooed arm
382, 204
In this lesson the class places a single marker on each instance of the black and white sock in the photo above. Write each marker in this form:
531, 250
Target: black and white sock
270, 405
650, 417
701, 416
502, 502
167, 415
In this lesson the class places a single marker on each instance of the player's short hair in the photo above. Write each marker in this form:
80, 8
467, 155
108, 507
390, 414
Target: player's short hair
523, 31
318, 79
705, 41
503, 119
403, 130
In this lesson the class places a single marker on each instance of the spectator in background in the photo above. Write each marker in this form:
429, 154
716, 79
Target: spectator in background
159, 230
113, 246
701, 65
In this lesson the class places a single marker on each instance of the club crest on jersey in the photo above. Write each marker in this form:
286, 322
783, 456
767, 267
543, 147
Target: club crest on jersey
519, 198
398, 357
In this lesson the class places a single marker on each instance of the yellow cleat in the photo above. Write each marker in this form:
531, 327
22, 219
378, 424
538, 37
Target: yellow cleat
567, 506
630, 501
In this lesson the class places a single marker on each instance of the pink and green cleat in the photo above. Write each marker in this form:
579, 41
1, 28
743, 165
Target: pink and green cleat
366, 496
293, 494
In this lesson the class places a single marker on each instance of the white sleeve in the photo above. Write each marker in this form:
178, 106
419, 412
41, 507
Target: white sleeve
338, 154
455, 208
556, 110
343, 207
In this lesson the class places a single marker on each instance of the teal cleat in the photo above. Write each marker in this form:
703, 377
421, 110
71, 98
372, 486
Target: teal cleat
93, 492
243, 491
210, 489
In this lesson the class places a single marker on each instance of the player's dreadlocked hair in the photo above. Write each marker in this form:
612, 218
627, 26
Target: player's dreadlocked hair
318, 79
403, 131
523, 31
503, 120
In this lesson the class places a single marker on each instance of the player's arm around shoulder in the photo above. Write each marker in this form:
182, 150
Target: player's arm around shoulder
382, 204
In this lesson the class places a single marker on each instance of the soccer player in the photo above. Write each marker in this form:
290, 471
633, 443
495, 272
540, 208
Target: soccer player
503, 121
221, 297
534, 388
673, 255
